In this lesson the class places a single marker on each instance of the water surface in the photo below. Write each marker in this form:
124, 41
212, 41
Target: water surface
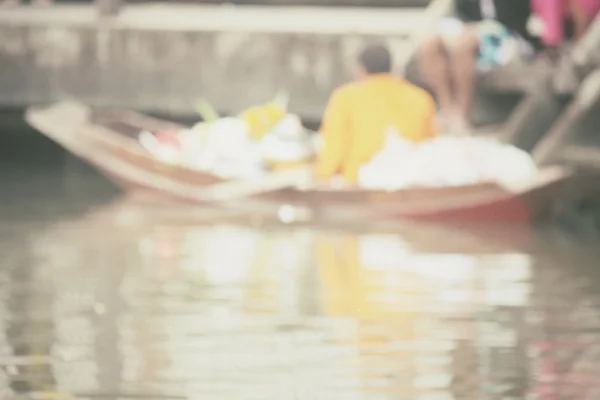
103, 299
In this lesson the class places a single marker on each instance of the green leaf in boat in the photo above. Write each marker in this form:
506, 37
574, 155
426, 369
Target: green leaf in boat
206, 111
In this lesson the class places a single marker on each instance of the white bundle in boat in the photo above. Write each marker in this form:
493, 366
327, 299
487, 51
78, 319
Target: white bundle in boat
288, 141
387, 169
445, 161
192, 146
228, 151
520, 168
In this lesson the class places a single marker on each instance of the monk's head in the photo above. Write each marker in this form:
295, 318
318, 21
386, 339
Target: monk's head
374, 60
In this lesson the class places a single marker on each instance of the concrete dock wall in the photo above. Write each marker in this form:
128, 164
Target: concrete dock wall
163, 58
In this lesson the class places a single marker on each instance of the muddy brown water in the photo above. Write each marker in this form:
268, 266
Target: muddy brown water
103, 299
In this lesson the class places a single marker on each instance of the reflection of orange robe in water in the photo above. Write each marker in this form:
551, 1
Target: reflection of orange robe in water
359, 115
350, 289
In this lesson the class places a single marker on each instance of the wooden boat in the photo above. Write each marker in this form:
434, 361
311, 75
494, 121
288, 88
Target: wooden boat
108, 140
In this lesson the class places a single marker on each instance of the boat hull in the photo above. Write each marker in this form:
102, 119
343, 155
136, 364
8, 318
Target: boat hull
122, 160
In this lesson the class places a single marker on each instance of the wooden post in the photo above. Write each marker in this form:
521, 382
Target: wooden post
583, 102
533, 117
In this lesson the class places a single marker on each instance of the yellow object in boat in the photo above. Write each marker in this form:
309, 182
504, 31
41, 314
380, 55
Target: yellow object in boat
279, 166
262, 119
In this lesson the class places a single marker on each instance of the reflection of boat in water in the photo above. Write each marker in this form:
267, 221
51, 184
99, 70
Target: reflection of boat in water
416, 317
371, 323
190, 322
105, 140
131, 215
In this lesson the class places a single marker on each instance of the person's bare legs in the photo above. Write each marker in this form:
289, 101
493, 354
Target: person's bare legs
464, 72
434, 65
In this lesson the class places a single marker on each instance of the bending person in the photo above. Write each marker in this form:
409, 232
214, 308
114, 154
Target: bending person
554, 14
487, 33
359, 115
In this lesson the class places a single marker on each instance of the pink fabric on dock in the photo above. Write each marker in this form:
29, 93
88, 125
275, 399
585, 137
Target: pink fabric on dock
554, 12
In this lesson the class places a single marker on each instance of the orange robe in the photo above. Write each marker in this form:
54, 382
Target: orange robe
358, 116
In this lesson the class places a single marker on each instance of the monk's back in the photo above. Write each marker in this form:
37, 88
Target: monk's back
379, 103
360, 114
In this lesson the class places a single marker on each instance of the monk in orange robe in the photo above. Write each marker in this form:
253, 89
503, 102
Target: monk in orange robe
360, 113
